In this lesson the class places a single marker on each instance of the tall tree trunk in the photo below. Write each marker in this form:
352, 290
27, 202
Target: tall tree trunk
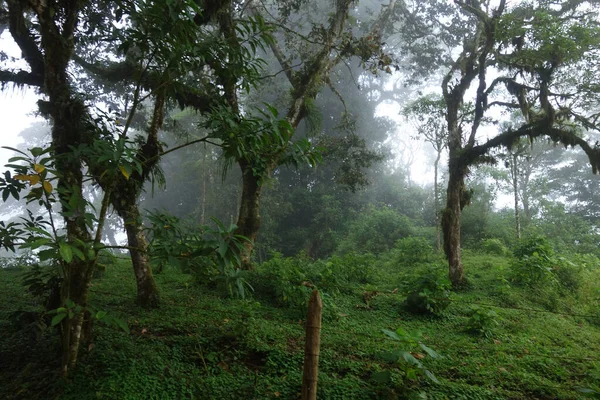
514, 173
436, 200
249, 217
67, 114
458, 197
125, 193
147, 291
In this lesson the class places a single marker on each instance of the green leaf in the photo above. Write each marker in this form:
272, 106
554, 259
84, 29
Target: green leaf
57, 318
69, 303
78, 253
15, 150
391, 334
432, 353
431, 376
48, 254
122, 324
410, 359
66, 252
100, 315
382, 377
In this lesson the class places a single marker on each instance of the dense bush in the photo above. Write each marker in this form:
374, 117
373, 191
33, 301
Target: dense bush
428, 293
289, 281
534, 262
375, 231
413, 250
494, 246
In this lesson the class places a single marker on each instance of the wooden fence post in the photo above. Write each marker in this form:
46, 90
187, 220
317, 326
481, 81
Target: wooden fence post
311, 348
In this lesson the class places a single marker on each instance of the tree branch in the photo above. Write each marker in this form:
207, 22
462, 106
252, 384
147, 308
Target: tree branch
533, 130
125, 71
25, 40
21, 78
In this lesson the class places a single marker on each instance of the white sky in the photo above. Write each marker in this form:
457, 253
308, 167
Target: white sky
16, 106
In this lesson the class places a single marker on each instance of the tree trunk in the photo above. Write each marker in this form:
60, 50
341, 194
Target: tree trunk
147, 291
457, 199
514, 173
248, 222
76, 289
436, 201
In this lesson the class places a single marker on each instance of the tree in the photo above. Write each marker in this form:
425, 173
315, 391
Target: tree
48, 59
427, 114
163, 44
532, 48
259, 157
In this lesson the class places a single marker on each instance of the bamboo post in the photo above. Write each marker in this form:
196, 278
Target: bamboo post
311, 349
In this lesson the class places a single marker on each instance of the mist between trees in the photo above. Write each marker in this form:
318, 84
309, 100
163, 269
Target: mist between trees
213, 135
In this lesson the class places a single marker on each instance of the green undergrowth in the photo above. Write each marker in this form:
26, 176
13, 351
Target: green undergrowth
499, 338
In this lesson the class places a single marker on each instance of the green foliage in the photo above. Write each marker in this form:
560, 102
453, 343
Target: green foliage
413, 250
592, 392
210, 254
428, 293
203, 345
534, 262
284, 281
482, 321
375, 230
494, 246
408, 358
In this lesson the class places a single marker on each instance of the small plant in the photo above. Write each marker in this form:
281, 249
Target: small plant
482, 321
234, 282
429, 293
409, 358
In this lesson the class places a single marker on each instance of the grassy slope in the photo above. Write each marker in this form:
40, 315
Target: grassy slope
200, 345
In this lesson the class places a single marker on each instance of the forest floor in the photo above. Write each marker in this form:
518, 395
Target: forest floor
536, 344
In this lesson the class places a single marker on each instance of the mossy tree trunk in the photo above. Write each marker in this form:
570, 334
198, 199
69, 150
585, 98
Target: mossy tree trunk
48, 61
451, 226
249, 214
147, 291
125, 194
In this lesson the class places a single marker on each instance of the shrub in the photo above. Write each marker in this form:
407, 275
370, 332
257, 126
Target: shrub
534, 262
569, 276
494, 246
375, 230
413, 250
283, 280
482, 321
429, 293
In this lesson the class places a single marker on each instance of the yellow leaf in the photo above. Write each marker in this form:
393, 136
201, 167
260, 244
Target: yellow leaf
39, 168
22, 177
47, 186
124, 172
34, 179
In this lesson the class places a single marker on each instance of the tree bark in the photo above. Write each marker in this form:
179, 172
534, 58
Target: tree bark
312, 346
451, 226
249, 217
147, 291
436, 200
514, 173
